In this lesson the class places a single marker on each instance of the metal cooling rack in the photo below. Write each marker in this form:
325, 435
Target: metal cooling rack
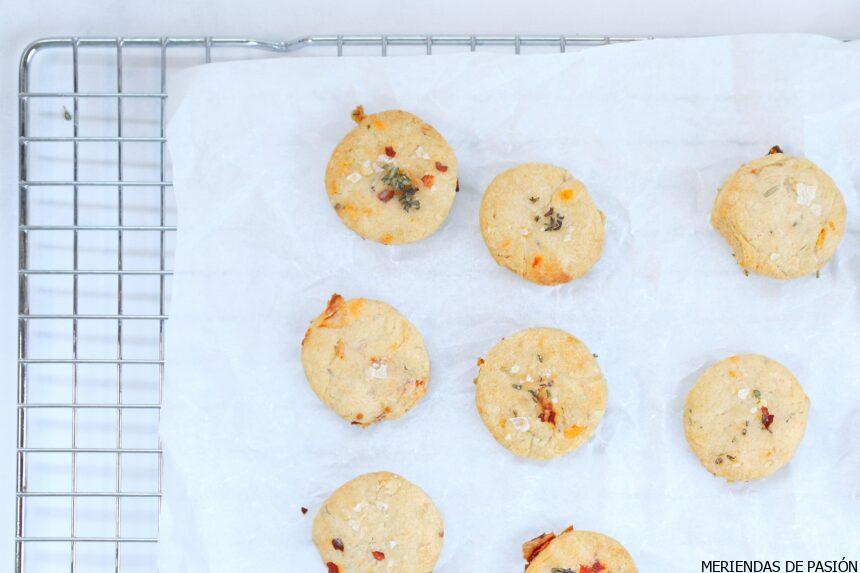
96, 230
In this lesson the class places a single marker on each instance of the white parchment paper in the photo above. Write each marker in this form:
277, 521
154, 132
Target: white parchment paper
653, 129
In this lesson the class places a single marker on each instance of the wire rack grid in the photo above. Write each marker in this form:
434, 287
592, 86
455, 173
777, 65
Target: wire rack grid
96, 233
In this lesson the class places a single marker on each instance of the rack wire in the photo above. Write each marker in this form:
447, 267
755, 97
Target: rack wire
88, 466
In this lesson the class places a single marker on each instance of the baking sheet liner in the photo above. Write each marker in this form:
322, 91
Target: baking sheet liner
652, 129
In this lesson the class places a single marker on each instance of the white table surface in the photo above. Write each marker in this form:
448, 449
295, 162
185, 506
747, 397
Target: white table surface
22, 22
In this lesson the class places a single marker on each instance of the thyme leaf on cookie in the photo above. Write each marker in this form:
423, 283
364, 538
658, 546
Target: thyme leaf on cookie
402, 184
554, 220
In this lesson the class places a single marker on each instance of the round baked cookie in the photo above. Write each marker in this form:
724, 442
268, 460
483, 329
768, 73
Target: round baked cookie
782, 216
745, 416
378, 522
393, 178
540, 393
576, 552
365, 360
541, 223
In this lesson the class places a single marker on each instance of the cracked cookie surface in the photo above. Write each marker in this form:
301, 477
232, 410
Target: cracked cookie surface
782, 216
540, 222
393, 178
365, 360
577, 552
745, 417
379, 522
540, 392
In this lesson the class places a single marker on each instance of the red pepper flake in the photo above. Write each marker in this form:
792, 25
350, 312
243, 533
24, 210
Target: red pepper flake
385, 195
596, 567
389, 151
533, 547
480, 361
441, 167
427, 180
774, 149
337, 544
304, 510
547, 411
332, 567
766, 418
378, 555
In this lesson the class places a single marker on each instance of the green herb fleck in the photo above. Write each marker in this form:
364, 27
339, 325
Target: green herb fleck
533, 199
772, 190
553, 221
561, 570
66, 115
757, 394
401, 183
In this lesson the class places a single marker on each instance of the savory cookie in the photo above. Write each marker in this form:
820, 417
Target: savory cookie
540, 393
541, 223
365, 360
782, 216
378, 522
745, 416
393, 178
576, 552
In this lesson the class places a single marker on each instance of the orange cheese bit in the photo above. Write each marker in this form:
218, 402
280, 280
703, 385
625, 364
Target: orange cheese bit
536, 261
378, 124
822, 236
386, 239
565, 194
354, 307
573, 431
